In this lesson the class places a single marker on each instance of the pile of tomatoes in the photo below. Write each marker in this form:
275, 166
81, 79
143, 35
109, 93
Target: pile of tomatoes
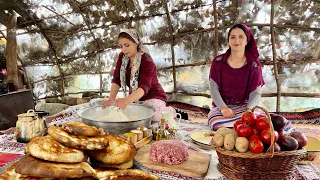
256, 130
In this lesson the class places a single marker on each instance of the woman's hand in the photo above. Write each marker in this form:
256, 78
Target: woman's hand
122, 103
227, 112
107, 102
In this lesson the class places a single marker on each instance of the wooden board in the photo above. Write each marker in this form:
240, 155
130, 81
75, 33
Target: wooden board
196, 165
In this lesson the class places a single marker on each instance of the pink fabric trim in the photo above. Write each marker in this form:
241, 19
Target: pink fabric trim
160, 107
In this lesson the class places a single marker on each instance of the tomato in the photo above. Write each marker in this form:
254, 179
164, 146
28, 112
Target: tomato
261, 124
256, 146
248, 117
236, 124
266, 136
244, 130
255, 131
254, 136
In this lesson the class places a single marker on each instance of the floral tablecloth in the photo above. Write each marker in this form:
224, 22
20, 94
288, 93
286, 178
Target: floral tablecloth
11, 149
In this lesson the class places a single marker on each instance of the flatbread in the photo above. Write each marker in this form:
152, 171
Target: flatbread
46, 148
32, 166
123, 174
78, 142
10, 174
118, 151
80, 128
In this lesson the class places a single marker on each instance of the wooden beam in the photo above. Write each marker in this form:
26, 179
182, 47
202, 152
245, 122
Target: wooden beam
274, 57
58, 14
11, 52
216, 38
172, 47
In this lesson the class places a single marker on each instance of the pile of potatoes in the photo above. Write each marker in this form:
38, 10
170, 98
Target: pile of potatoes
229, 140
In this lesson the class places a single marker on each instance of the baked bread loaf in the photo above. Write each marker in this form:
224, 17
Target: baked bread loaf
118, 151
81, 129
32, 166
46, 148
126, 165
78, 142
124, 174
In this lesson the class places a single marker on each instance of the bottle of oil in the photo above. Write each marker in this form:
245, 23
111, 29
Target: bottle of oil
161, 133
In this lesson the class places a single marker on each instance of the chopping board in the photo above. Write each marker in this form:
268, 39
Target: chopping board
196, 165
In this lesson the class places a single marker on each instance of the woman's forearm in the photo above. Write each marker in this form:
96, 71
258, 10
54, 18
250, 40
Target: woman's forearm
114, 91
135, 95
215, 94
254, 98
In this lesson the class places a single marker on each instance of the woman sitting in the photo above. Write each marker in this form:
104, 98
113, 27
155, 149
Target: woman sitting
235, 78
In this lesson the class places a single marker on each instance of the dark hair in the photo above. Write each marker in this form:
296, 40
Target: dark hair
125, 35
238, 26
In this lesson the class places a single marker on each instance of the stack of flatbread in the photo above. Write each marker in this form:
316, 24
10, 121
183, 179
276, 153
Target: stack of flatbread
64, 152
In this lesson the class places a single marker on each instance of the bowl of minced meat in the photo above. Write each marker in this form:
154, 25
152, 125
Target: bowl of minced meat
115, 121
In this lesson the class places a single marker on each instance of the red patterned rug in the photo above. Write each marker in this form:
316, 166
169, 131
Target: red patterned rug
306, 117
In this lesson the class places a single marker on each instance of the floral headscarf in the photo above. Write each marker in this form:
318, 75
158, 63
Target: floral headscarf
136, 63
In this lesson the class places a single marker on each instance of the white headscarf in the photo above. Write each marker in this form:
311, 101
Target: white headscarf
136, 62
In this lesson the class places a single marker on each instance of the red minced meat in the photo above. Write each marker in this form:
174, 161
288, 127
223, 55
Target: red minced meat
169, 152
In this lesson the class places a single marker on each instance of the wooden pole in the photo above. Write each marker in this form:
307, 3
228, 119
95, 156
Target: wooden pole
172, 49
216, 34
274, 57
11, 51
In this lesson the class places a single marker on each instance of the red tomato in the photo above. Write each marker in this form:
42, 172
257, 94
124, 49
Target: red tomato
261, 124
244, 131
236, 124
248, 117
266, 136
255, 131
256, 146
254, 137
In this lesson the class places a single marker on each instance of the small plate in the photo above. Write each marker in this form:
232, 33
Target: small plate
313, 144
201, 138
313, 151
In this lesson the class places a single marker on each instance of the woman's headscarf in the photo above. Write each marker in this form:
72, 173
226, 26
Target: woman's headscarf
136, 63
252, 55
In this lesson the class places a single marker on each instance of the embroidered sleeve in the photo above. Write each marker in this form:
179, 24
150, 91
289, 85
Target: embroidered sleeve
116, 72
147, 72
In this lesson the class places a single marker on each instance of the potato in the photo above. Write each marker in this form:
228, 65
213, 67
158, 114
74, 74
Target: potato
224, 131
218, 140
242, 144
229, 142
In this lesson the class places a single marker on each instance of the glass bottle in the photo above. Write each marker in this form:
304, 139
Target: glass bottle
161, 133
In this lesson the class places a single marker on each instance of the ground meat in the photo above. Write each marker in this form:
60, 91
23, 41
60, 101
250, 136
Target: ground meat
169, 152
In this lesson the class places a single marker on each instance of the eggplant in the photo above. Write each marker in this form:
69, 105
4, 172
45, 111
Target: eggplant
301, 138
288, 143
277, 148
278, 122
